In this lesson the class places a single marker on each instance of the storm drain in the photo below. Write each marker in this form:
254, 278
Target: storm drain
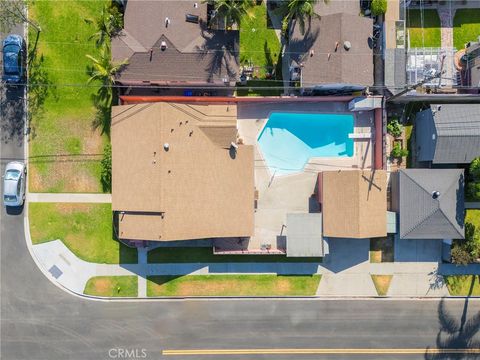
55, 271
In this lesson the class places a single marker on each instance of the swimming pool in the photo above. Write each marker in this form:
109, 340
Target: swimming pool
289, 140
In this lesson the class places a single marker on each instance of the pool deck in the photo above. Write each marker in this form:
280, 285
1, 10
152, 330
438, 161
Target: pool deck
279, 195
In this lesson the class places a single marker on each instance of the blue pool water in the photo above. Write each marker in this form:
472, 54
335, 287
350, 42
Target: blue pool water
289, 140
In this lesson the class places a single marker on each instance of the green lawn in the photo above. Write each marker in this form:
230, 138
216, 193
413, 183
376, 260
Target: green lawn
261, 88
112, 286
205, 255
232, 285
429, 35
463, 285
258, 44
64, 149
466, 27
473, 216
86, 229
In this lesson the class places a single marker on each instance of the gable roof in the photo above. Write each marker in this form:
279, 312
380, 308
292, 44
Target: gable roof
354, 203
424, 216
327, 66
194, 53
449, 133
196, 189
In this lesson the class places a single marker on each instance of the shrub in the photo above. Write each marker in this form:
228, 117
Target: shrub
398, 152
460, 255
106, 175
394, 128
475, 169
473, 191
379, 7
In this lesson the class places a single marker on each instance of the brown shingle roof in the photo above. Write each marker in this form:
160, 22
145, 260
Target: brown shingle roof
354, 66
196, 189
194, 53
354, 203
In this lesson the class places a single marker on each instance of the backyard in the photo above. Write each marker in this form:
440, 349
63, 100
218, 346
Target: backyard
232, 285
86, 229
65, 151
427, 35
205, 255
466, 27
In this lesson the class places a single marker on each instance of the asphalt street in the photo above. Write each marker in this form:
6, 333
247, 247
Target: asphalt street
40, 321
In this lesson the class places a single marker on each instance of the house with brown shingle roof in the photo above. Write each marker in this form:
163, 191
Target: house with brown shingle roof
334, 50
171, 43
176, 174
354, 203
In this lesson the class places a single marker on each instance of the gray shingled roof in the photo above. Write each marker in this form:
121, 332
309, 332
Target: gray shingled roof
424, 217
325, 65
448, 133
195, 54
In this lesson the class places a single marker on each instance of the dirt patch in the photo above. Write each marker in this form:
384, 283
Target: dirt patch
70, 208
102, 285
382, 283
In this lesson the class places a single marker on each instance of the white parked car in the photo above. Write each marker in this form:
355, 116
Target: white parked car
14, 181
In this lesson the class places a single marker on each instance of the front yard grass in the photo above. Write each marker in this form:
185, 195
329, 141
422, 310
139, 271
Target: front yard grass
65, 151
466, 27
473, 216
463, 285
86, 229
232, 285
382, 283
205, 255
259, 45
429, 35
112, 286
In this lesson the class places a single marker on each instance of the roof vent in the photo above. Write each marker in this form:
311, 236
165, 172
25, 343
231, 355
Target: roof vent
347, 45
167, 21
439, 107
163, 46
436, 194
166, 146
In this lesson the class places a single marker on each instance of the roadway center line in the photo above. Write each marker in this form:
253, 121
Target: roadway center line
318, 351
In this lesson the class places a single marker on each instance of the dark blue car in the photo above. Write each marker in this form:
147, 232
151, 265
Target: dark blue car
13, 59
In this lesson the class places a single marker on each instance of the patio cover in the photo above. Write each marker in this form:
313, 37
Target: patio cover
304, 235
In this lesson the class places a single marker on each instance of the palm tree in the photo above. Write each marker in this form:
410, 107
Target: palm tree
294, 11
104, 70
232, 11
108, 24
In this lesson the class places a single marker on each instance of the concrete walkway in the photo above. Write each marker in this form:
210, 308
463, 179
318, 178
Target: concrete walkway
472, 205
446, 14
69, 198
409, 278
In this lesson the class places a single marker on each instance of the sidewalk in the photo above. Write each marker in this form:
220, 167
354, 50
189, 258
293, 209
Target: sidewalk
69, 198
409, 279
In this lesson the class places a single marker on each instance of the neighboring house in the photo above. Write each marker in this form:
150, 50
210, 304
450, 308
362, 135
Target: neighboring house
176, 174
354, 203
334, 52
429, 203
170, 43
448, 134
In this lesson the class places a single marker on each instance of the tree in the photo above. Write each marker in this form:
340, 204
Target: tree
12, 12
108, 24
294, 11
379, 7
232, 11
394, 128
475, 169
398, 152
104, 70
